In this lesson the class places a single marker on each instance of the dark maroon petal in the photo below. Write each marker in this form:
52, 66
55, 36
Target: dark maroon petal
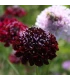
6, 44
38, 61
18, 54
52, 56
46, 61
24, 60
31, 62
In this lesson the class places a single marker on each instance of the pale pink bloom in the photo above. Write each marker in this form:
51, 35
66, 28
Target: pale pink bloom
56, 20
66, 65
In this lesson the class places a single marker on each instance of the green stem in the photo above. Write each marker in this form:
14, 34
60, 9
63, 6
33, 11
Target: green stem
13, 68
45, 70
29, 70
38, 70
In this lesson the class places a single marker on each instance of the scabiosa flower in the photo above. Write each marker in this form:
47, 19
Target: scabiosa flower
37, 47
13, 58
66, 65
56, 20
10, 30
15, 11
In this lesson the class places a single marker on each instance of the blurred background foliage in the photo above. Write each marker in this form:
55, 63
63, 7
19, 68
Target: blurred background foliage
55, 66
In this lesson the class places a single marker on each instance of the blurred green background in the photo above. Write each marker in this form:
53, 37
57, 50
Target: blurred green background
55, 66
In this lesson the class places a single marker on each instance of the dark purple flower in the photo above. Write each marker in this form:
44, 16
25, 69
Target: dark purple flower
36, 47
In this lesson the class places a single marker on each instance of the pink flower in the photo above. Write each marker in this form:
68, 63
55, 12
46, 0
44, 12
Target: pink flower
66, 65
56, 20
13, 58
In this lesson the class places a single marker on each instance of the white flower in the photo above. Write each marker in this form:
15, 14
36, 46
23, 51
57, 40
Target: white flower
56, 20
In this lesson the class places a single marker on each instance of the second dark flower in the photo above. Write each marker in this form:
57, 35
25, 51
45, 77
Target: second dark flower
37, 47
